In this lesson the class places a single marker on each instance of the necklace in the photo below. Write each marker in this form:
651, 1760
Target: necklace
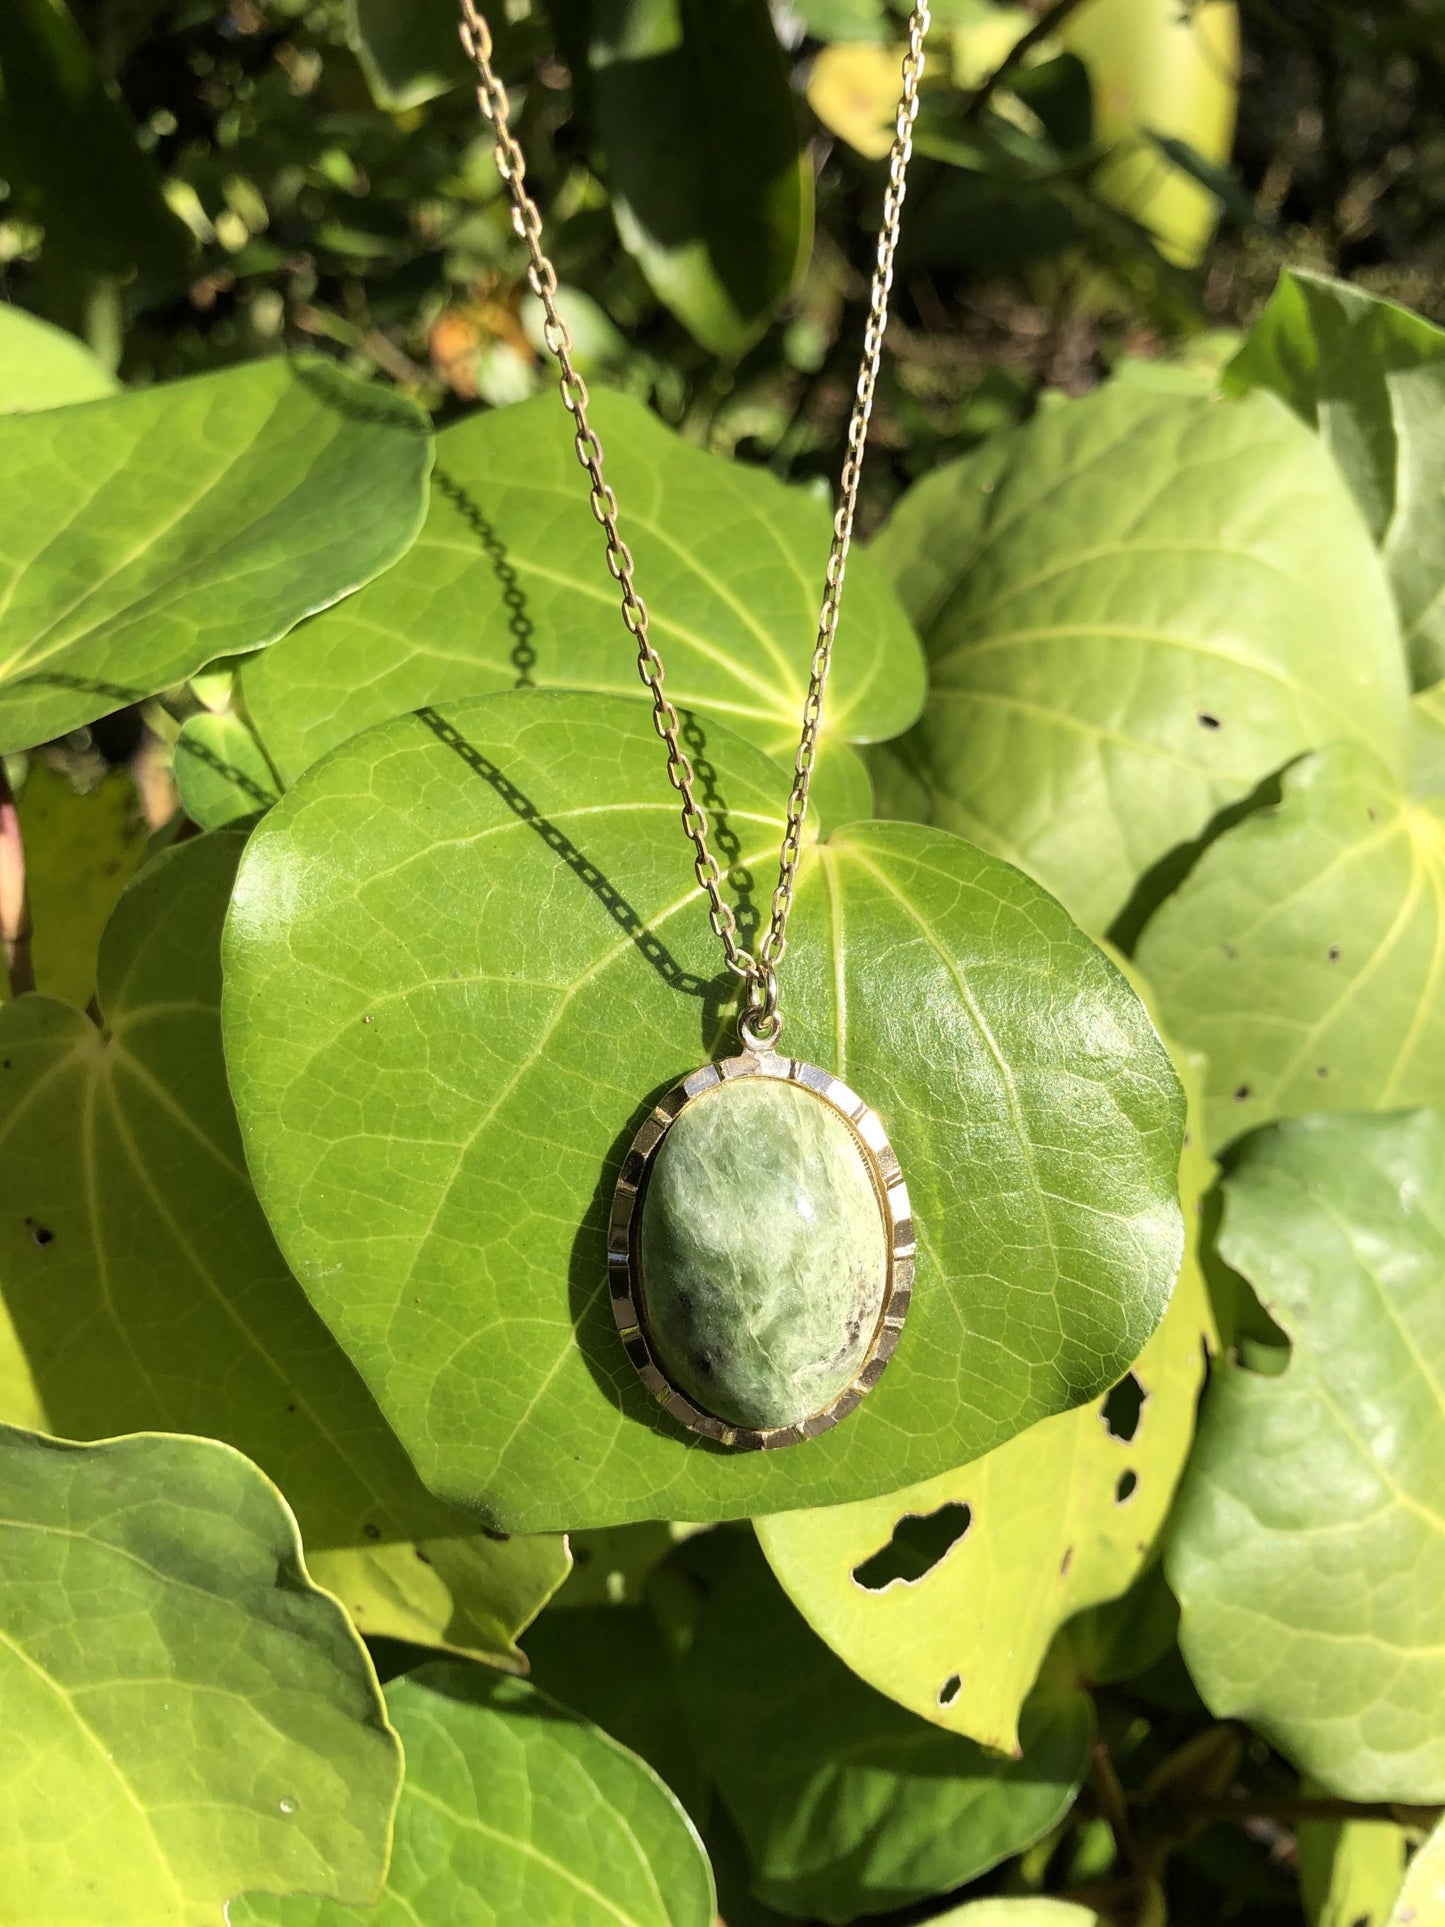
761, 1247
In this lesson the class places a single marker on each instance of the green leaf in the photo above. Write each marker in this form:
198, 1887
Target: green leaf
465, 955
711, 188
1034, 1910
947, 1595
1427, 736
44, 367
847, 1803
1144, 604
152, 532
409, 50
516, 1813
69, 155
1422, 1898
187, 1716
1309, 1550
1303, 954
843, 19
1370, 377
508, 584
221, 771
80, 852
144, 1291
1350, 1872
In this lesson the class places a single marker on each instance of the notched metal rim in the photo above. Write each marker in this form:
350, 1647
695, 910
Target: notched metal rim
624, 1261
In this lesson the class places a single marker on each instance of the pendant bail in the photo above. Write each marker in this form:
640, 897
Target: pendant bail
761, 1021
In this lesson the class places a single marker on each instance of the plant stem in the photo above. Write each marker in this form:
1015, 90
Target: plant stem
1290, 1809
15, 925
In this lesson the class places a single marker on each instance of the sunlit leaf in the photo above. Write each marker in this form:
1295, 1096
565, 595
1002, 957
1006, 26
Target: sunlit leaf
221, 771
1309, 1550
147, 534
44, 367
143, 1291
947, 1595
1304, 953
517, 1813
1370, 377
465, 955
1350, 1871
1422, 1898
1136, 608
508, 585
186, 1715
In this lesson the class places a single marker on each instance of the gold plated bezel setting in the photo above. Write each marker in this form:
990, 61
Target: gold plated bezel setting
624, 1268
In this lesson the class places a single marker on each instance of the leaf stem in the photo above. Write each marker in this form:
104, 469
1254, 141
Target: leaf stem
15, 924
1290, 1809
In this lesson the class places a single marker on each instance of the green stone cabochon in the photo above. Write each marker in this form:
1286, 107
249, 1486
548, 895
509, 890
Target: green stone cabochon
764, 1253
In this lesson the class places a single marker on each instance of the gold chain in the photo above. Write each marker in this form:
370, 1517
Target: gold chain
762, 1021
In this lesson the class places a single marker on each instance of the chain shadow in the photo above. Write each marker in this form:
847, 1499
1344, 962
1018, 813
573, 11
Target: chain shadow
229, 772
589, 1298
524, 632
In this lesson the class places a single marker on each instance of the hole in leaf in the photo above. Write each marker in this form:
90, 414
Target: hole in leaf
1122, 1408
1242, 1094
919, 1541
1125, 1488
948, 1692
42, 1236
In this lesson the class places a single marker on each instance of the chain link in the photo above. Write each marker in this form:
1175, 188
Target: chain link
762, 1019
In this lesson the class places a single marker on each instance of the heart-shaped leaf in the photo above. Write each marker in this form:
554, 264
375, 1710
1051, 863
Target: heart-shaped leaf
186, 1715
44, 367
1308, 1553
1370, 377
149, 533
1135, 609
847, 1803
1303, 955
466, 954
516, 1813
947, 1595
507, 585
143, 1290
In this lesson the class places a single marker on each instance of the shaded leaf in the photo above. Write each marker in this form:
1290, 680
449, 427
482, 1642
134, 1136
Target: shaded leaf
144, 1291
147, 534
515, 1813
1303, 955
1135, 609
221, 771
507, 584
711, 190
44, 367
187, 1716
1308, 1553
947, 1595
847, 1803
465, 955
1370, 377
409, 50
69, 155
80, 852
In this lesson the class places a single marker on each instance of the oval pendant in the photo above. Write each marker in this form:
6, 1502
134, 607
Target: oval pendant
761, 1251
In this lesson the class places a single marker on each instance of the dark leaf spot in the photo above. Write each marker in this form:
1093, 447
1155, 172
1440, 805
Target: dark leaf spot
917, 1545
1333, 953
1122, 1408
1066, 1561
948, 1692
1125, 1488
1207, 721
1322, 1070
42, 1236
423, 1555
1242, 1094
371, 1531
1230, 951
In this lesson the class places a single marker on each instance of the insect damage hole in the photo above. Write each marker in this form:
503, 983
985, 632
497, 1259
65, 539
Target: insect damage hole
919, 1542
1128, 1481
948, 1692
1123, 1408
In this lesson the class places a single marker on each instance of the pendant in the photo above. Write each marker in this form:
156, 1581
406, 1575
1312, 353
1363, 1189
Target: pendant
761, 1251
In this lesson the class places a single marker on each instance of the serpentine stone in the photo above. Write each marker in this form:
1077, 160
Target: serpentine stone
764, 1253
